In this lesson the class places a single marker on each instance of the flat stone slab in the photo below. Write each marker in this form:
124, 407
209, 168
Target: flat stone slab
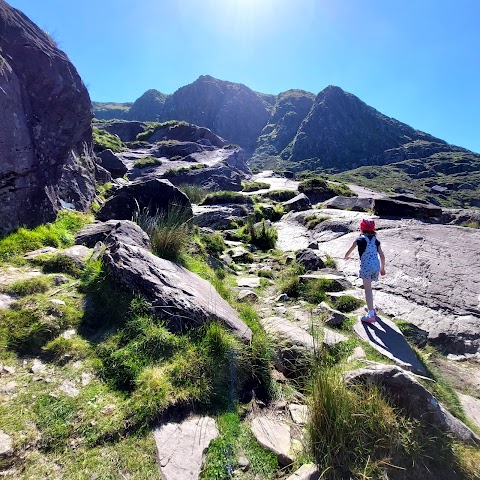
331, 337
299, 413
248, 282
180, 447
6, 300
385, 337
471, 407
274, 435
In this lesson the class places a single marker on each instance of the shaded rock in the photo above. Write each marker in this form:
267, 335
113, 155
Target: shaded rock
110, 162
181, 446
155, 194
182, 132
102, 175
247, 296
309, 259
240, 254
92, 233
297, 204
283, 297
274, 435
349, 203
308, 471
407, 393
389, 206
178, 296
43, 166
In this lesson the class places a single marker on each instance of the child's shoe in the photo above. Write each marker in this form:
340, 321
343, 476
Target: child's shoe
368, 319
375, 309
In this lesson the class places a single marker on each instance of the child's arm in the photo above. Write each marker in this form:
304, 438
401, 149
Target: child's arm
382, 260
350, 250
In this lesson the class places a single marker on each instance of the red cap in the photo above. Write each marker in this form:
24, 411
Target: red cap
367, 225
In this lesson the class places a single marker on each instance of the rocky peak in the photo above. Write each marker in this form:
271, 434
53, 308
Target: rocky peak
148, 107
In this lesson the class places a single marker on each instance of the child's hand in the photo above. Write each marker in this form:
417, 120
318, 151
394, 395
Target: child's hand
382, 271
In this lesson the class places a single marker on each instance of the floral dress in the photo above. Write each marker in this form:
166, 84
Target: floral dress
369, 261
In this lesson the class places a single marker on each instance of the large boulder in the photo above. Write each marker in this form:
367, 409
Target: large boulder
409, 394
156, 195
112, 163
179, 297
297, 204
46, 137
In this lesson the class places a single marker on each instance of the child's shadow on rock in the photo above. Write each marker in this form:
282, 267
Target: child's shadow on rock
387, 338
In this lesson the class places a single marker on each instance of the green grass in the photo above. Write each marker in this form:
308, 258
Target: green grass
173, 172
60, 234
280, 195
28, 286
312, 220
155, 126
329, 262
147, 162
268, 212
213, 243
57, 263
220, 198
254, 186
102, 140
289, 282
263, 236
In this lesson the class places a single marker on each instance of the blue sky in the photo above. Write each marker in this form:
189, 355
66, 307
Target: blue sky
414, 60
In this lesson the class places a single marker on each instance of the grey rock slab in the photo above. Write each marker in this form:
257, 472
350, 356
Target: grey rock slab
181, 446
248, 296
471, 407
78, 253
248, 282
309, 471
299, 203
6, 300
292, 235
275, 436
339, 282
333, 318
175, 294
6, 445
407, 393
331, 337
40, 251
386, 338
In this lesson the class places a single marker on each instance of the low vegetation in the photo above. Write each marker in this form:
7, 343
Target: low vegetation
254, 186
312, 220
147, 162
319, 186
173, 172
102, 140
220, 198
195, 193
155, 126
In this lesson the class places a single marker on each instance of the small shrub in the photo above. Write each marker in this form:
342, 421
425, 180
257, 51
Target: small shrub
214, 243
147, 162
262, 236
313, 220
347, 303
280, 195
329, 262
195, 193
58, 263
268, 212
173, 172
289, 282
75, 348
169, 231
254, 186
220, 198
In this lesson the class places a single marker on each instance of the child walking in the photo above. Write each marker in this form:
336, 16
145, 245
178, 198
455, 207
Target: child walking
369, 250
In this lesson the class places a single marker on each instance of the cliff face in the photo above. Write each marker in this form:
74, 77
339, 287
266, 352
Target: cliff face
45, 127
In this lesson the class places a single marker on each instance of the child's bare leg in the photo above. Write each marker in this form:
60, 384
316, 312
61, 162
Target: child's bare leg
367, 286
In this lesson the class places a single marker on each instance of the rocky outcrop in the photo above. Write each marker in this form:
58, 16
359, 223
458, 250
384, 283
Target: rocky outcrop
187, 132
179, 297
45, 140
297, 204
155, 194
291, 107
409, 394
